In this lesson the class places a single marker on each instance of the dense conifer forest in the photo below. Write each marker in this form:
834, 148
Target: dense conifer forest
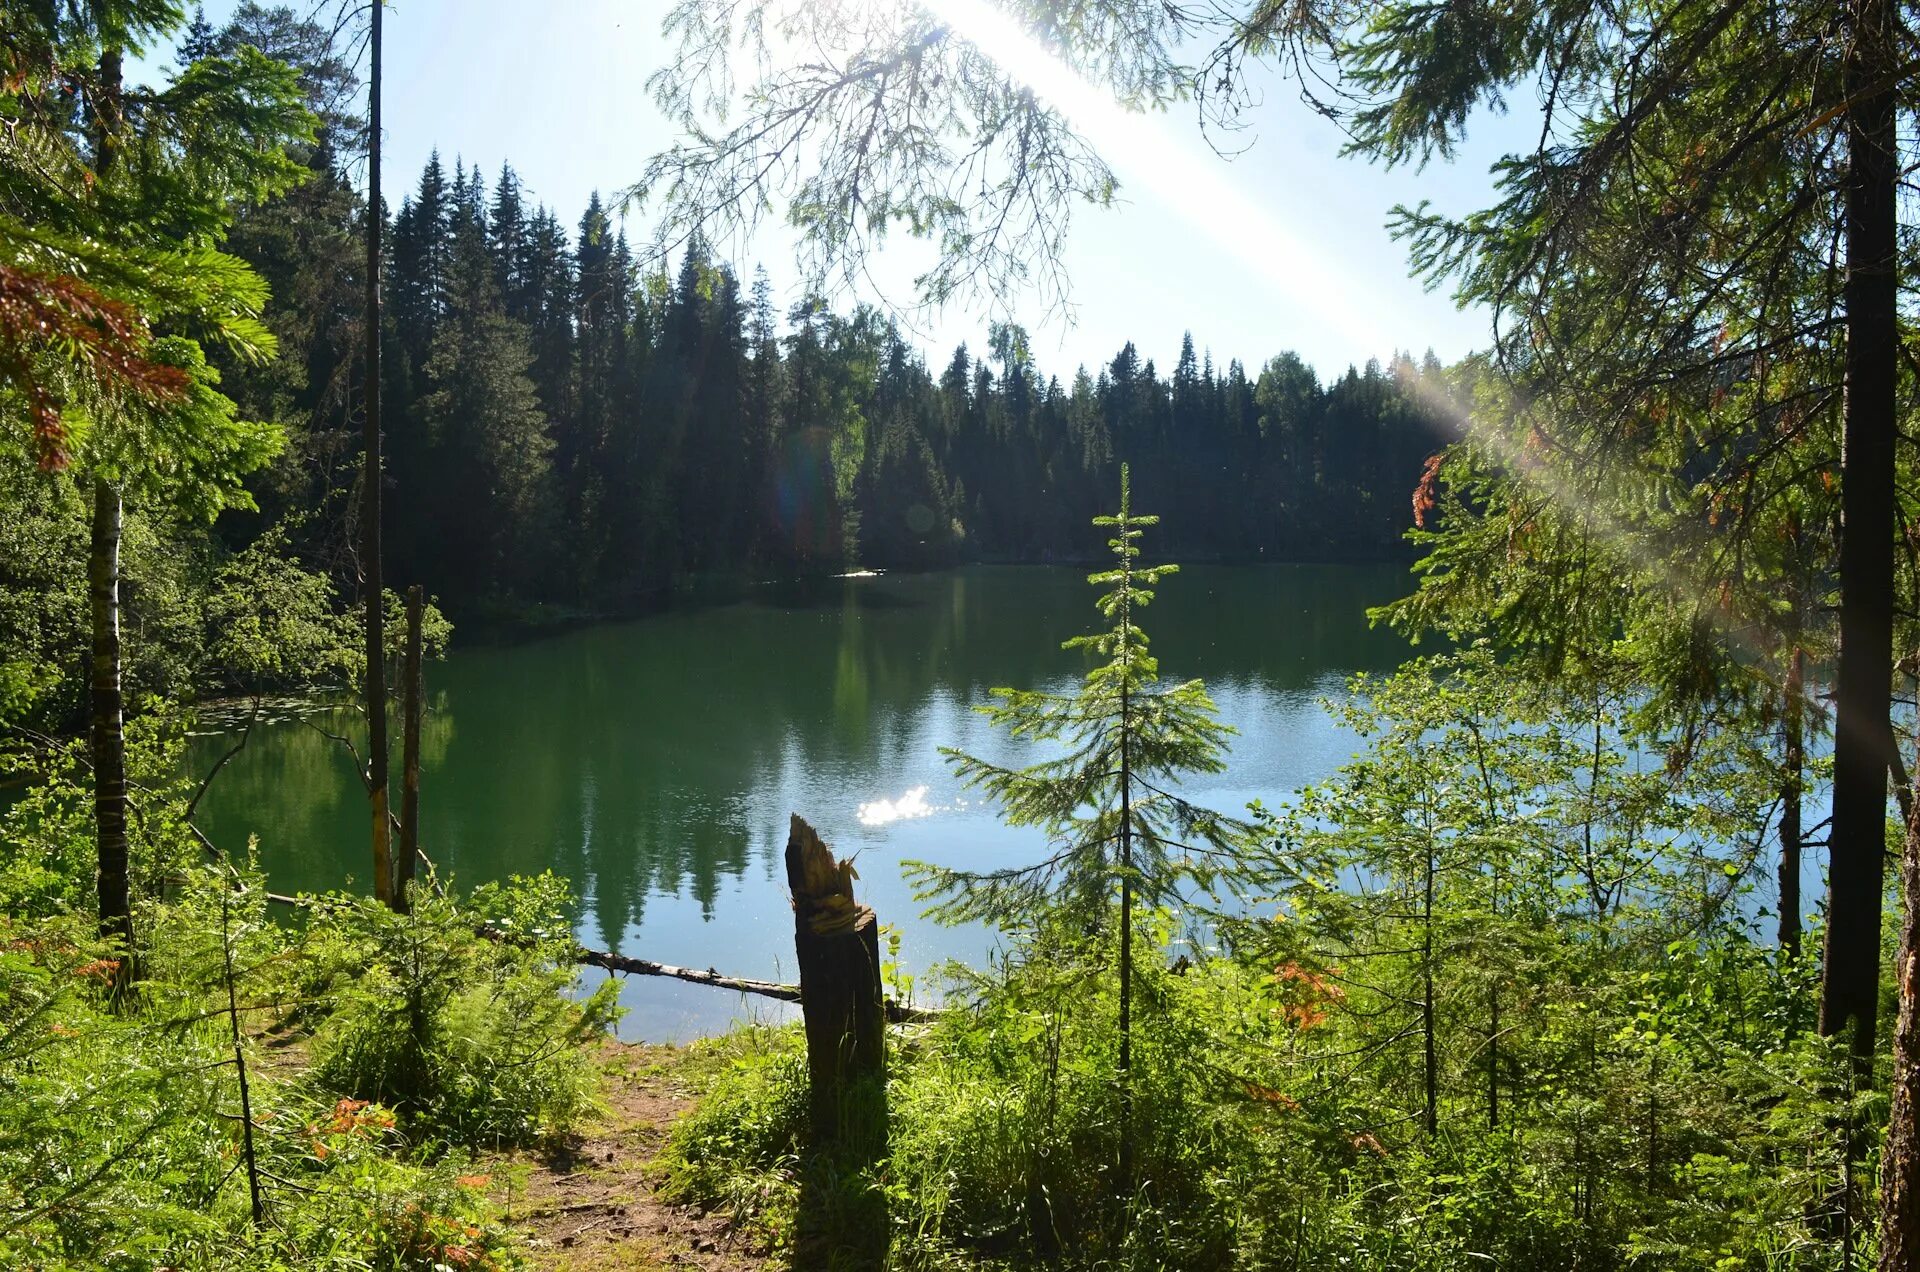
568, 426
574, 422
574, 431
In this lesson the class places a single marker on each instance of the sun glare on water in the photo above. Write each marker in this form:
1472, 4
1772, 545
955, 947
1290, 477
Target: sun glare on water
911, 804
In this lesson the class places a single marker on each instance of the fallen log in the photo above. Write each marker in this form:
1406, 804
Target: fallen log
897, 1013
647, 967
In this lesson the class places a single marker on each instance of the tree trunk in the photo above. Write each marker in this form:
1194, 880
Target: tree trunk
1900, 1161
370, 478
403, 865
1126, 921
1863, 681
1430, 1045
106, 738
838, 943
240, 1065
1792, 785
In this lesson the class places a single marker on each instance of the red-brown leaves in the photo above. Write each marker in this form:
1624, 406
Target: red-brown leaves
100, 969
102, 339
1270, 1096
1311, 994
350, 1120
1426, 495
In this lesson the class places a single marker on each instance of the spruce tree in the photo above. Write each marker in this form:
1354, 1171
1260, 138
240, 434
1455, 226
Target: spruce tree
1107, 802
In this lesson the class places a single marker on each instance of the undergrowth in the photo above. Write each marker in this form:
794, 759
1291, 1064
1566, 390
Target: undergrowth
381, 1053
1262, 1138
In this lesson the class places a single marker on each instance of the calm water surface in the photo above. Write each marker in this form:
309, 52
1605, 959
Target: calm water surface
655, 762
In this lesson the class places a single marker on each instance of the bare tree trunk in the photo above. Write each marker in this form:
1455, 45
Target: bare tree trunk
838, 943
107, 738
1493, 985
1863, 682
410, 754
370, 478
240, 1064
1126, 929
1792, 787
1431, 1057
1900, 1160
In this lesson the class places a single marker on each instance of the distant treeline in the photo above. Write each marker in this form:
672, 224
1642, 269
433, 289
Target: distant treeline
566, 426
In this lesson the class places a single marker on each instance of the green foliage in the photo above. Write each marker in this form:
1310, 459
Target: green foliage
209, 620
1106, 798
131, 195
474, 1039
1620, 1075
46, 870
272, 624
120, 1141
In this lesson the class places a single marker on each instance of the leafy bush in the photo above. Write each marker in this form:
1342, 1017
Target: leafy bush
48, 864
1003, 1127
475, 1039
1264, 1138
121, 1145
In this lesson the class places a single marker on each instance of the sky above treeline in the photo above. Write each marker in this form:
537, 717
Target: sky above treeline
559, 91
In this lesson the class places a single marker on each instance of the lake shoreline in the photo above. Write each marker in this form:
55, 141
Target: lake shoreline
512, 622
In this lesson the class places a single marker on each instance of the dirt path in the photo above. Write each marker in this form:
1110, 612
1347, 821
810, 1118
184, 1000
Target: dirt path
592, 1205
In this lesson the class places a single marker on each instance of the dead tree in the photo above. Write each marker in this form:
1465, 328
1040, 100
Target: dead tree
370, 477
838, 942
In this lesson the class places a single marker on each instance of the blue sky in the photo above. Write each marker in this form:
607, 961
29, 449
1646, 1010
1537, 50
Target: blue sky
559, 90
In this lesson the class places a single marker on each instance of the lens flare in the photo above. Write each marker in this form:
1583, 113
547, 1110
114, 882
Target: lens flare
1192, 187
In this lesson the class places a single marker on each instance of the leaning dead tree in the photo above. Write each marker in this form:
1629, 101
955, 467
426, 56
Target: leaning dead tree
838, 942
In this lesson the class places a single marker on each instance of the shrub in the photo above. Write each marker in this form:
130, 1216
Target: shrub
473, 1039
120, 1143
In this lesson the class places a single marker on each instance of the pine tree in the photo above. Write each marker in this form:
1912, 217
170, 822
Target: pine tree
198, 41
419, 260
759, 415
507, 245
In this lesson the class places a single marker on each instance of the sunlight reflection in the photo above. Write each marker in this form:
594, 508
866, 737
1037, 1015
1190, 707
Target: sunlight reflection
911, 804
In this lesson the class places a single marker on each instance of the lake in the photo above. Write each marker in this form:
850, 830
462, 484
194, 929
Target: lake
655, 762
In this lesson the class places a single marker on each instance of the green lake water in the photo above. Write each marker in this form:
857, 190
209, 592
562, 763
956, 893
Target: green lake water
655, 762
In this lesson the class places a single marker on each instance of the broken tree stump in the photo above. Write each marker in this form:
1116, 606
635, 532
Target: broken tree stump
838, 943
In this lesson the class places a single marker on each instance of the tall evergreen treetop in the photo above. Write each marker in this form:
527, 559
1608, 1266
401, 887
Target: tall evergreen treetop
1108, 799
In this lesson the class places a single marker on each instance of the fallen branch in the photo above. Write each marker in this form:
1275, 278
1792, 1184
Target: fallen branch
898, 1013
647, 967
222, 762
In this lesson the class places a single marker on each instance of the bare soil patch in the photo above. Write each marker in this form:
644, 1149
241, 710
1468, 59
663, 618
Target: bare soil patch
591, 1202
